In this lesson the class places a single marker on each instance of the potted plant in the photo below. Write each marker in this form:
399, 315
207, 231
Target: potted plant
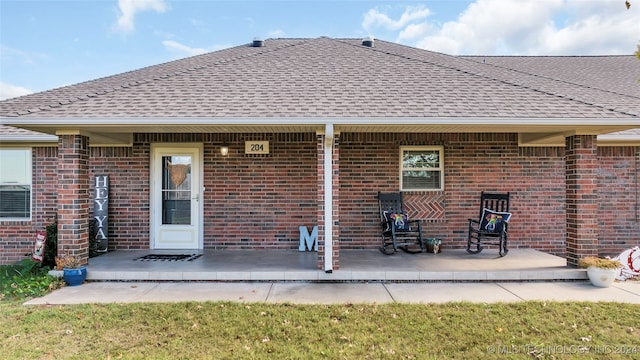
600, 271
74, 270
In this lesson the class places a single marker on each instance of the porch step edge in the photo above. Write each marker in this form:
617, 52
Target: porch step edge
340, 276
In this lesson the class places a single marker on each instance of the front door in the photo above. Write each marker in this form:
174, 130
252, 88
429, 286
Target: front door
176, 206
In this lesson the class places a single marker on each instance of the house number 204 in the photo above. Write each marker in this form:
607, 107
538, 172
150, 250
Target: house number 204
256, 147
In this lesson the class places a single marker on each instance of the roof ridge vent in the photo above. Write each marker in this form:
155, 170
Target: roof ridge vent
368, 41
257, 42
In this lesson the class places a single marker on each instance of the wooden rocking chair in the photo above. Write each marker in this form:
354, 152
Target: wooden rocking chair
397, 230
491, 227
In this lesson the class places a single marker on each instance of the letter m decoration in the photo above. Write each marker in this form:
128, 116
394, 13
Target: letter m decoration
101, 212
307, 240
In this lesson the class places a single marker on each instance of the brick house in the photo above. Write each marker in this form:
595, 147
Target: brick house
311, 130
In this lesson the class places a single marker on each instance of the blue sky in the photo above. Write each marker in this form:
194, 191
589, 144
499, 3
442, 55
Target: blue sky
48, 44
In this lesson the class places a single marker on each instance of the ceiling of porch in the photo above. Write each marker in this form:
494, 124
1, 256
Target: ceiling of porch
535, 132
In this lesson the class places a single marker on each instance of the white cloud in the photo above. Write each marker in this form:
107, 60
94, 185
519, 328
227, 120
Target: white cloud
375, 18
596, 33
8, 91
181, 48
129, 9
525, 27
413, 31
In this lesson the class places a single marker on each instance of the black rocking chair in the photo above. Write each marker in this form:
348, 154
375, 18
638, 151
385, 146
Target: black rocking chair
491, 227
397, 230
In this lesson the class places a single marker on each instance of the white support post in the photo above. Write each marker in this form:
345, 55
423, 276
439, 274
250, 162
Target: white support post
328, 198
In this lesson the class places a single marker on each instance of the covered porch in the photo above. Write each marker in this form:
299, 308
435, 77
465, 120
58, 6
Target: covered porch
328, 198
522, 264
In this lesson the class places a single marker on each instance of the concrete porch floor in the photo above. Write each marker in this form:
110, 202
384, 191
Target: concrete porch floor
355, 265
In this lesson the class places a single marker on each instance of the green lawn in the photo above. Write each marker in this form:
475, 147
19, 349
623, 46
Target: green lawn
220, 330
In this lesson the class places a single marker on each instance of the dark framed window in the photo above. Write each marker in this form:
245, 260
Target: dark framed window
15, 184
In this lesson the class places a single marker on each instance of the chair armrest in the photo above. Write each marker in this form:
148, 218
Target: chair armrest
474, 225
386, 224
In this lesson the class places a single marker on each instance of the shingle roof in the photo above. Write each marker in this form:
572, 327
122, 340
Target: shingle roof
327, 78
13, 134
617, 74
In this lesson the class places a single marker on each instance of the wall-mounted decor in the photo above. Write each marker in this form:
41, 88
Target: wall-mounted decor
101, 211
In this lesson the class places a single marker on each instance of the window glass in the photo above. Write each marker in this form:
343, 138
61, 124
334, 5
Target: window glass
15, 183
176, 190
421, 168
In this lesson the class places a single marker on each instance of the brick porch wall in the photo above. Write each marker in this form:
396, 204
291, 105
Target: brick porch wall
128, 170
250, 202
473, 162
240, 214
259, 201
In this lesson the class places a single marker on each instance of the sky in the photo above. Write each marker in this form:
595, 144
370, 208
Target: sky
45, 44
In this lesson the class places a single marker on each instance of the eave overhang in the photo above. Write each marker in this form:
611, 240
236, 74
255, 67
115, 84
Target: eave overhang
531, 131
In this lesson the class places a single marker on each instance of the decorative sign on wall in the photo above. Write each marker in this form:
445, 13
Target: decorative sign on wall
256, 147
101, 211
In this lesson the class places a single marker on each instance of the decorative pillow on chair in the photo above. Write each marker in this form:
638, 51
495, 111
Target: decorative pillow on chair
493, 221
400, 221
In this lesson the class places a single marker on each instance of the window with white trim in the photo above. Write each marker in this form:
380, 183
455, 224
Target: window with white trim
421, 168
15, 184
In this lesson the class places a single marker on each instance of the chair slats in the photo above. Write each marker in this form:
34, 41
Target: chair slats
478, 238
409, 239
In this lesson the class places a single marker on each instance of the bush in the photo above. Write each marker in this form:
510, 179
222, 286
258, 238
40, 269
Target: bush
26, 279
51, 248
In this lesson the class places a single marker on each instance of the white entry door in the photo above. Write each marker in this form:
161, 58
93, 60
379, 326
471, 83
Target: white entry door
176, 214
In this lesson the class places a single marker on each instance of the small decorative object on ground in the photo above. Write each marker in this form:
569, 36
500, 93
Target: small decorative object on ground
601, 271
74, 270
630, 260
38, 251
434, 245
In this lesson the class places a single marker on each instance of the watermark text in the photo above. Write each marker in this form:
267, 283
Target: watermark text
563, 349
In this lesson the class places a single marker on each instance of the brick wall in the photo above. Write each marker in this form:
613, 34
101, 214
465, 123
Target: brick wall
73, 199
582, 197
17, 238
473, 162
619, 198
250, 201
259, 201
128, 171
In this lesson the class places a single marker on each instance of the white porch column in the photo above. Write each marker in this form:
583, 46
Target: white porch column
328, 198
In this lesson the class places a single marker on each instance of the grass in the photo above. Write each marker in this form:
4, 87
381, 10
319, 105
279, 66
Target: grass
222, 330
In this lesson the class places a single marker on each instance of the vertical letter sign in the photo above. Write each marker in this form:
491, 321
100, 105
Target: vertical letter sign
101, 212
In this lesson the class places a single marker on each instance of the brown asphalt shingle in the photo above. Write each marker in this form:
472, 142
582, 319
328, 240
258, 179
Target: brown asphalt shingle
330, 78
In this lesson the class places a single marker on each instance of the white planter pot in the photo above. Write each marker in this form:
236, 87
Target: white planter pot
601, 277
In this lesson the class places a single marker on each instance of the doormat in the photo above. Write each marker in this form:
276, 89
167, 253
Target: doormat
169, 257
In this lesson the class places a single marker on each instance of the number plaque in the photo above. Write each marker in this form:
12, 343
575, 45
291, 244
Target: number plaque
256, 147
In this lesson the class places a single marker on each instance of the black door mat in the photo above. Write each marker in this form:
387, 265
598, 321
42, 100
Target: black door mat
169, 257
